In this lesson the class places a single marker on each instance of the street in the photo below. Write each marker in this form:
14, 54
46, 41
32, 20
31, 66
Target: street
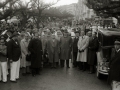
58, 79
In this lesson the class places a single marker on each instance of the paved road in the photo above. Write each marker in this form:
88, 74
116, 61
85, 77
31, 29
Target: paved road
58, 79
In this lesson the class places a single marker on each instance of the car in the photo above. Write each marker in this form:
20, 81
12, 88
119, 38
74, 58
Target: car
106, 38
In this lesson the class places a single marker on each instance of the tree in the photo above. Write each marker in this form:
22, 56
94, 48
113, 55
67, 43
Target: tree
56, 12
105, 8
6, 8
23, 12
38, 6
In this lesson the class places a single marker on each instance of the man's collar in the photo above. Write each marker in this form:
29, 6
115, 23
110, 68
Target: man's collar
118, 50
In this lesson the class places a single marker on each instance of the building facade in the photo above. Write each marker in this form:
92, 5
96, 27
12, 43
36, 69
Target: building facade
82, 11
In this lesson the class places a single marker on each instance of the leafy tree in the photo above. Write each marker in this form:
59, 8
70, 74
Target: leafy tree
56, 12
23, 12
105, 8
38, 6
6, 8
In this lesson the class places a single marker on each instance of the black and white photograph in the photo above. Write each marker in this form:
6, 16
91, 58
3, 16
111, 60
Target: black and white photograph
59, 44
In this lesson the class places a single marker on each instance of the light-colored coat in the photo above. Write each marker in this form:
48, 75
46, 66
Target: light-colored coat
24, 52
44, 42
83, 45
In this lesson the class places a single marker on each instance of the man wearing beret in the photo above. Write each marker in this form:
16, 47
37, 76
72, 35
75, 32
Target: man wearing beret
14, 53
114, 73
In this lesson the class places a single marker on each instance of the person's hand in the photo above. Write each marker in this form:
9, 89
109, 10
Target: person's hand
79, 51
82, 50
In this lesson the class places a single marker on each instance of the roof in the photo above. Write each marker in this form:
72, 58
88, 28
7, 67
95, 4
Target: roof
110, 31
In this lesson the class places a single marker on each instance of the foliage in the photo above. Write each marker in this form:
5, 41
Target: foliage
6, 8
56, 12
105, 8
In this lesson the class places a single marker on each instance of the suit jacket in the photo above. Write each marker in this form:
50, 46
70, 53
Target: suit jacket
24, 46
114, 73
93, 47
75, 42
3, 52
13, 49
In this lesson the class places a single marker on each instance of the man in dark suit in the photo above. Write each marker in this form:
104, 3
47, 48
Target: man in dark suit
114, 73
75, 48
35, 48
92, 49
14, 53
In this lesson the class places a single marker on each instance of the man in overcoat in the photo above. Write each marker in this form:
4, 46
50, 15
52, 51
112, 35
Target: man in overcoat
65, 49
82, 48
35, 48
75, 48
114, 73
92, 49
14, 53
53, 51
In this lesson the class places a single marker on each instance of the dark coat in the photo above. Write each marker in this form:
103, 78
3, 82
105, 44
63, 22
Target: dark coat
92, 49
75, 45
3, 53
53, 50
35, 47
13, 50
65, 48
114, 73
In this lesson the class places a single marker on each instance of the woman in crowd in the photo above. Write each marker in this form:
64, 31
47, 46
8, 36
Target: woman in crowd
24, 50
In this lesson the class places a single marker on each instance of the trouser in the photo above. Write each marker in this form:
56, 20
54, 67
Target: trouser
53, 64
15, 68
83, 65
115, 85
35, 71
26, 69
79, 64
92, 68
74, 59
3, 71
63, 61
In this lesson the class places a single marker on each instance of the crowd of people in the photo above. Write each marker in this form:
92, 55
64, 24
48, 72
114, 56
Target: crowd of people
32, 51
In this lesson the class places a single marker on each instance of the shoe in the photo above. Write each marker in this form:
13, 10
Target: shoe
13, 81
83, 70
90, 73
17, 78
24, 74
68, 67
5, 82
28, 72
33, 75
62, 66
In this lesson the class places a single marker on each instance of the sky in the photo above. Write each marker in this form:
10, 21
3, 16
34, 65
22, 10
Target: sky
61, 2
